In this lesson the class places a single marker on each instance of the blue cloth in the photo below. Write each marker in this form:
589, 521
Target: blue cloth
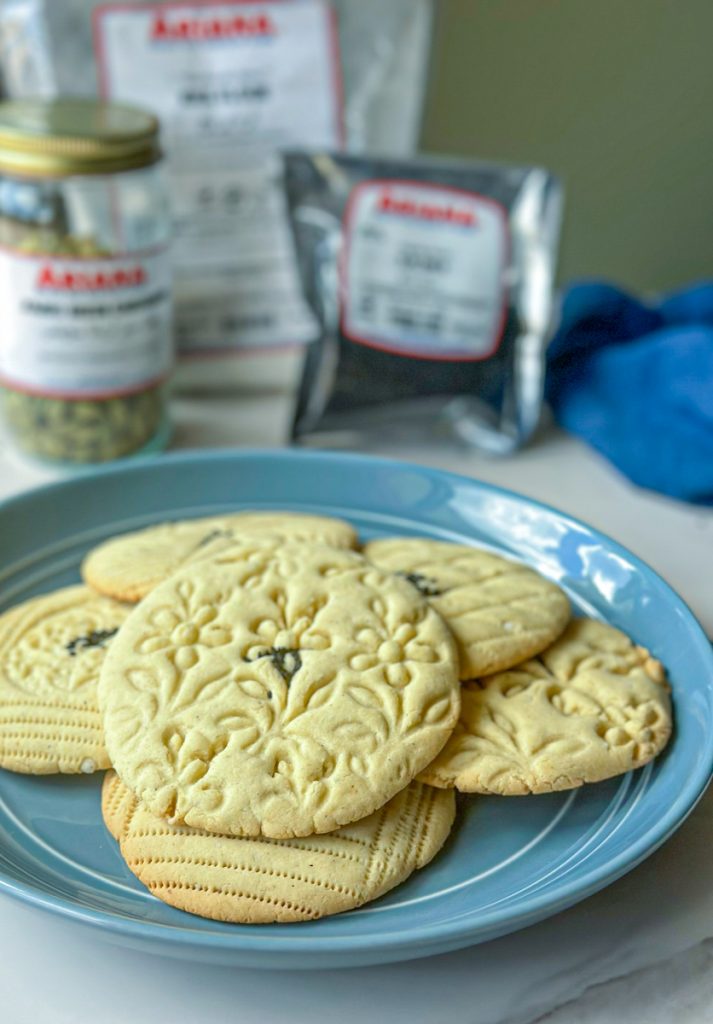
636, 382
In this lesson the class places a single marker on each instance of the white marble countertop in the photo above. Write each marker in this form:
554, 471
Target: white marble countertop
641, 951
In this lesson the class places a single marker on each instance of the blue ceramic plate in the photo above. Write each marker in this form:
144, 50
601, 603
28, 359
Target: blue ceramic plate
508, 863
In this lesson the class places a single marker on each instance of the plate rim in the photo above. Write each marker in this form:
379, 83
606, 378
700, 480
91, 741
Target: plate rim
420, 940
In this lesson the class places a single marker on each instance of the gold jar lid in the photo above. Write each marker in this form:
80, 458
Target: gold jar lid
63, 137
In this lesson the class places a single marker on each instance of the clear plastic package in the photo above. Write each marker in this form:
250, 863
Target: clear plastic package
233, 83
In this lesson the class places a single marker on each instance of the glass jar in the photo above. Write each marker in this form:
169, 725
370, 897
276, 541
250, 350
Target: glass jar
86, 340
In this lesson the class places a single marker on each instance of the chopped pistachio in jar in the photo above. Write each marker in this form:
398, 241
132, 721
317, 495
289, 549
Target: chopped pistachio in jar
86, 338
83, 431
70, 430
45, 242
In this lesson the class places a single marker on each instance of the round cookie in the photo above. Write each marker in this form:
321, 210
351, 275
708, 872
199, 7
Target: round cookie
119, 803
593, 705
500, 612
129, 566
258, 881
283, 693
51, 650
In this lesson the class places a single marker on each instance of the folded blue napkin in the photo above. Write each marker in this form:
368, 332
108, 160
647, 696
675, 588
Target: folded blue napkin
635, 381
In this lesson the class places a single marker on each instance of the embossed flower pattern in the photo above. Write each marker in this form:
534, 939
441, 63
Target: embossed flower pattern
265, 651
180, 631
393, 652
39, 661
285, 632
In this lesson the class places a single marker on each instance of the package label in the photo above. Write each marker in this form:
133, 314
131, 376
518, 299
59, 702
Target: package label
74, 328
423, 270
232, 83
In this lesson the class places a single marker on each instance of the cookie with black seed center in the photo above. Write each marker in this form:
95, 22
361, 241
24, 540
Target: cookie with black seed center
500, 612
51, 651
278, 692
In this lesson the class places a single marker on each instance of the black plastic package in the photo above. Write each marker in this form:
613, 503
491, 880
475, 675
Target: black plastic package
432, 281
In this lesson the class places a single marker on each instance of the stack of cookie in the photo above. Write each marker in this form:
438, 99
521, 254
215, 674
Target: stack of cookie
288, 719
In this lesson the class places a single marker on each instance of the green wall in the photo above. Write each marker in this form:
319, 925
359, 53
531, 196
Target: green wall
616, 96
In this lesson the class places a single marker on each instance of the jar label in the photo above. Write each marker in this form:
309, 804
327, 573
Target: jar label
75, 328
233, 83
423, 270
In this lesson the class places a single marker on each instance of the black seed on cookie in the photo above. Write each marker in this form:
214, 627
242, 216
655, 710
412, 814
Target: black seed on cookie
287, 661
97, 638
214, 535
425, 586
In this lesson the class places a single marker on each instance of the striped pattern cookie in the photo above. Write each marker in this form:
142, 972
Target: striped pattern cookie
258, 881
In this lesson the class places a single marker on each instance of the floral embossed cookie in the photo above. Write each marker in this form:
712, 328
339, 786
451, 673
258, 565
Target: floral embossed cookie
129, 566
282, 694
51, 650
500, 612
256, 881
593, 705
